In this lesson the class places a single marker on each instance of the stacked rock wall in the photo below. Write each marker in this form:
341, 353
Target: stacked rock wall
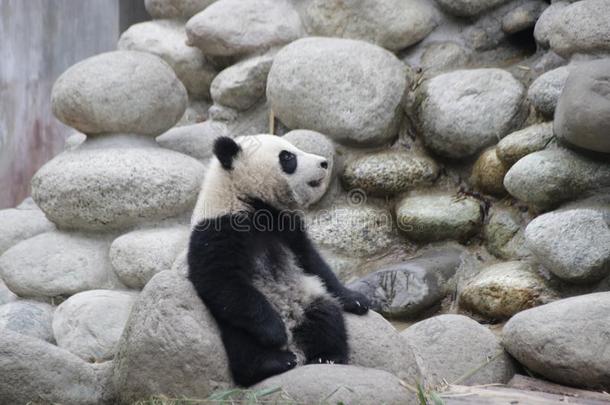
469, 149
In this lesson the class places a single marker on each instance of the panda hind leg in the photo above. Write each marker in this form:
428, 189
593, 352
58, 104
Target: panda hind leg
322, 335
249, 361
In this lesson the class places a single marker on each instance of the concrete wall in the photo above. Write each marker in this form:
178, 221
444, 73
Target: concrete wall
39, 39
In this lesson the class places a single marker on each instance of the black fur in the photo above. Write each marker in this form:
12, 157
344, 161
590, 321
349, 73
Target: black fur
288, 161
225, 150
220, 259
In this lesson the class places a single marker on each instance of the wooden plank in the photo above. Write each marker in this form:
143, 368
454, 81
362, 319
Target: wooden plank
502, 395
534, 384
39, 40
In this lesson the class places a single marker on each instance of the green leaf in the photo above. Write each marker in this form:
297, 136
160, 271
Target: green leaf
420, 395
436, 399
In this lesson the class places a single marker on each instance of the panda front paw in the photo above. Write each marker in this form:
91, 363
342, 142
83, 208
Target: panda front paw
354, 302
271, 333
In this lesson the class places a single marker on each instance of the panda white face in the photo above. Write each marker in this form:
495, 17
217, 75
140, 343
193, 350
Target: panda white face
273, 170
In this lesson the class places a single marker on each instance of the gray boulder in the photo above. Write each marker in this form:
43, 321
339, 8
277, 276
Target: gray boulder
393, 24
6, 295
29, 318
504, 289
406, 289
458, 350
242, 85
89, 324
21, 224
57, 263
196, 140
436, 217
582, 117
544, 92
572, 244
464, 111
468, 8
389, 172
348, 90
374, 343
503, 233
119, 92
581, 27
549, 177
337, 384
138, 255
444, 56
544, 25
523, 142
565, 341
237, 27
355, 229
167, 40
116, 182
169, 329
523, 16
175, 8
35, 371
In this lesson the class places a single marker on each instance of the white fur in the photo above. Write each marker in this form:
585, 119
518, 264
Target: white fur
257, 173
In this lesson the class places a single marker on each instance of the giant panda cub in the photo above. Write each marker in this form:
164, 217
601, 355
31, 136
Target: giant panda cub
276, 302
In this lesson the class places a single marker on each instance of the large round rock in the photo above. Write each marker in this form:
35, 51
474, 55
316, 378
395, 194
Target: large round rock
137, 256
58, 263
114, 183
356, 229
436, 217
29, 318
119, 92
503, 289
458, 350
388, 173
544, 92
18, 225
548, 177
581, 27
565, 341
464, 111
237, 27
89, 324
583, 111
167, 40
169, 329
573, 244
33, 371
349, 90
337, 384
393, 24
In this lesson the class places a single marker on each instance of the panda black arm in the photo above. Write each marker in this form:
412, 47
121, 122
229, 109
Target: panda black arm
314, 264
218, 268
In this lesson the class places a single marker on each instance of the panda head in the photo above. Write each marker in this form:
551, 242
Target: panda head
270, 169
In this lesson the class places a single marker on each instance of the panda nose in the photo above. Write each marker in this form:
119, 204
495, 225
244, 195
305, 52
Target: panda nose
324, 164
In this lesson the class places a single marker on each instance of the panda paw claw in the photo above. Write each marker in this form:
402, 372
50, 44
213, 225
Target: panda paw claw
354, 302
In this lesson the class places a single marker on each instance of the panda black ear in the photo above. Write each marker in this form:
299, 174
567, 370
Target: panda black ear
225, 150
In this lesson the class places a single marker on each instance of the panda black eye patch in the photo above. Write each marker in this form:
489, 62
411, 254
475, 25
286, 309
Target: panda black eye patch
288, 161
